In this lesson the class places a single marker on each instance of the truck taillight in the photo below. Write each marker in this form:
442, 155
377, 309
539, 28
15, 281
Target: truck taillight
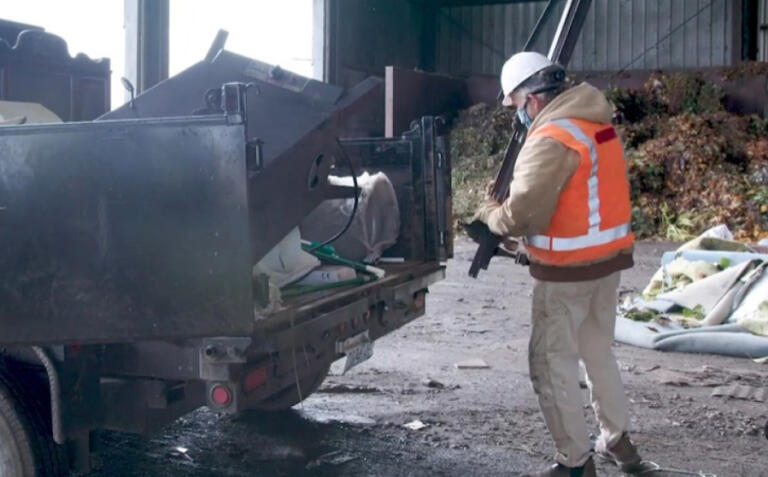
221, 395
255, 378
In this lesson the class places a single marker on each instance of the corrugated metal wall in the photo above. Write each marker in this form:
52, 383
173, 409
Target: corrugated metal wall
762, 29
373, 34
617, 34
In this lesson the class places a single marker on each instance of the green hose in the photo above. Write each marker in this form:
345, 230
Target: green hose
328, 254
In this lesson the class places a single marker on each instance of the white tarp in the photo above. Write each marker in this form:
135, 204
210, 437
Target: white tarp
376, 225
705, 293
734, 302
728, 340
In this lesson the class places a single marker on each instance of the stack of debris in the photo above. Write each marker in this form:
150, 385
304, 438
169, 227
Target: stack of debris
709, 296
692, 164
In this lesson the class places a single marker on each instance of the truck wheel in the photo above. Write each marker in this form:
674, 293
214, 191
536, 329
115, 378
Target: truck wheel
289, 397
26, 446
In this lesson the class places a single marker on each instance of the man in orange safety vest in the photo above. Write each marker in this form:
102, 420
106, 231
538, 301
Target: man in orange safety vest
569, 200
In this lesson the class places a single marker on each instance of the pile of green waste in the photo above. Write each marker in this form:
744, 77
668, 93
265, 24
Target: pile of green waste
692, 164
478, 142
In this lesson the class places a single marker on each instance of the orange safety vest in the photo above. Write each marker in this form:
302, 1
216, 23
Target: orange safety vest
593, 215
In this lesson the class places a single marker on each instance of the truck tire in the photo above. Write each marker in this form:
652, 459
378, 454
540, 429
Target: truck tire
289, 397
26, 446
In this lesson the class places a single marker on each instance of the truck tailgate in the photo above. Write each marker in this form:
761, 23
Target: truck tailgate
400, 283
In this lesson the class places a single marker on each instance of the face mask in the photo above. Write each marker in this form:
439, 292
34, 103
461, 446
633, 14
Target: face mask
523, 115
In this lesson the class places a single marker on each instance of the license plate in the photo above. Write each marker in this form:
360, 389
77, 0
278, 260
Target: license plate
358, 349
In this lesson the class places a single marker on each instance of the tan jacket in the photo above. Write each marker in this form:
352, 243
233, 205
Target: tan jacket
542, 170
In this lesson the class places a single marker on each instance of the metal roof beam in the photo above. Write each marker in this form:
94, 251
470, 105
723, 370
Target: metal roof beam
472, 3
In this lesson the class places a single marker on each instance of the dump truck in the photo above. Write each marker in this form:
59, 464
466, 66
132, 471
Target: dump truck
128, 296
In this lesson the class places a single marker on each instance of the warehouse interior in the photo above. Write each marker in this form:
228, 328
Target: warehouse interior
210, 220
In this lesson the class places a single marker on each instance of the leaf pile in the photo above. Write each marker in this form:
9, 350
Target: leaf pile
692, 164
478, 142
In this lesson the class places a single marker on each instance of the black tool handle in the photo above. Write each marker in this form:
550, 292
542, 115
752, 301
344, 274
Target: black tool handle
488, 243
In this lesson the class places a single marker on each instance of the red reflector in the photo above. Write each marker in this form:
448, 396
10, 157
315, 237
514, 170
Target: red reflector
254, 379
605, 135
74, 350
221, 395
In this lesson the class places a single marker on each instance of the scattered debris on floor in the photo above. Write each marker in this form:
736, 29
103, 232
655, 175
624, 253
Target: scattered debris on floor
677, 378
692, 164
707, 377
181, 452
433, 383
328, 417
709, 296
416, 425
472, 363
741, 391
333, 459
332, 388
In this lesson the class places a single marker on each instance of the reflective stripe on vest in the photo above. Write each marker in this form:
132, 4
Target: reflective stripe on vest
594, 198
591, 239
594, 236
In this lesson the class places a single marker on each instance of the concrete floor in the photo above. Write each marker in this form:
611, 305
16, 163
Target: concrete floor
480, 422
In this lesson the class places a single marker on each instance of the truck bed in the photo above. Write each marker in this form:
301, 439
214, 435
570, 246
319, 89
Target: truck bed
400, 282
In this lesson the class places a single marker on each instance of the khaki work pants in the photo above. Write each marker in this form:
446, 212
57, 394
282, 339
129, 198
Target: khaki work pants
575, 321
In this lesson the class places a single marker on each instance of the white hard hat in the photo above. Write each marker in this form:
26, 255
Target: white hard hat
518, 68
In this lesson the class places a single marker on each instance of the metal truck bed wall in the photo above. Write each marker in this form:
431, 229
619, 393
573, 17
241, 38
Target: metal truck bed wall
292, 120
123, 230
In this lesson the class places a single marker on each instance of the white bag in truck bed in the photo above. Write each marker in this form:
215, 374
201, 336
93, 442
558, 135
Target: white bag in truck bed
376, 225
287, 262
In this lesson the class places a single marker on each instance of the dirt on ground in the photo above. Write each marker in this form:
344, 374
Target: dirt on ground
479, 422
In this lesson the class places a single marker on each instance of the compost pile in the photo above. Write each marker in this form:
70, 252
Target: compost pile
479, 139
692, 164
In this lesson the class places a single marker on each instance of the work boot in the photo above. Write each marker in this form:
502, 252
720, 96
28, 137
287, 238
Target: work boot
559, 470
624, 454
